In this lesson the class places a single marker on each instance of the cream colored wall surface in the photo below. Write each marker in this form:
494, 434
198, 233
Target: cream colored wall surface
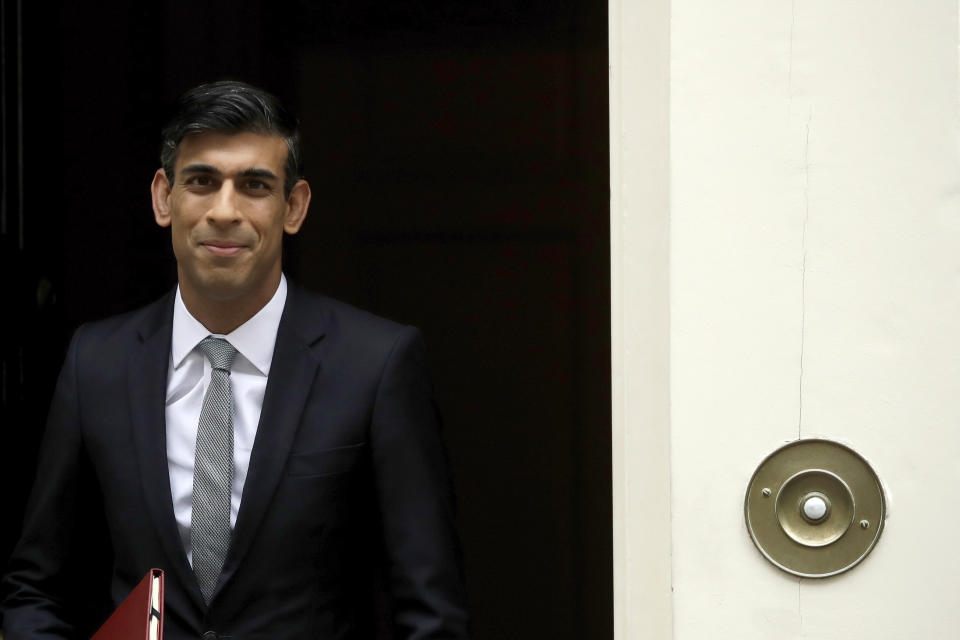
815, 291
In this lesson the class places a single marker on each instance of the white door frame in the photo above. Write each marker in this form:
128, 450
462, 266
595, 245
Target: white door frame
640, 316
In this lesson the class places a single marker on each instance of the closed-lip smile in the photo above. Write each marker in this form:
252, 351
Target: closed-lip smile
222, 247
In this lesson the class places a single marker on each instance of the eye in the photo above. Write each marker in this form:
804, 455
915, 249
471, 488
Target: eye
257, 187
199, 180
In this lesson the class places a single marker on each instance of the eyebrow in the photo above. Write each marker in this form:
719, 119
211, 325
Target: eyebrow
259, 173
252, 172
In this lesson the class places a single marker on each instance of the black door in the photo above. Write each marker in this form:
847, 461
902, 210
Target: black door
459, 162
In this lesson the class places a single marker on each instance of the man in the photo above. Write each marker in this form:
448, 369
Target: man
266, 447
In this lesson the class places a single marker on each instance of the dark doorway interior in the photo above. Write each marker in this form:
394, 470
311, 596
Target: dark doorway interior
459, 162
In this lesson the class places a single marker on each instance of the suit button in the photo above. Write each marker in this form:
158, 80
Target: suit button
209, 635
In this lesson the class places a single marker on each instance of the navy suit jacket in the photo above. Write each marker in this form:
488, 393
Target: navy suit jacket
348, 473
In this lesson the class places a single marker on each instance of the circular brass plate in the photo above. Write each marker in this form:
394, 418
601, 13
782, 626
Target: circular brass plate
814, 483
810, 469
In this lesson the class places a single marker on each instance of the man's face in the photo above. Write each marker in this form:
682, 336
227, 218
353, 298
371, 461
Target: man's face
227, 213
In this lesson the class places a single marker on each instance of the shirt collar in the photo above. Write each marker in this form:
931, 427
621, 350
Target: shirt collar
254, 339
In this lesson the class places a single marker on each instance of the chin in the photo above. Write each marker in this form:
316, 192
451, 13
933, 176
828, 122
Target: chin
221, 286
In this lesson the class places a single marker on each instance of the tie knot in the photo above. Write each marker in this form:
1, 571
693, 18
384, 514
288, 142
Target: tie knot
219, 352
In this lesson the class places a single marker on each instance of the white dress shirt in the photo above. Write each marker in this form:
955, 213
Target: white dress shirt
187, 379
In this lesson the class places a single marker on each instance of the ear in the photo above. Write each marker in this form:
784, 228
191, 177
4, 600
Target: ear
297, 205
160, 191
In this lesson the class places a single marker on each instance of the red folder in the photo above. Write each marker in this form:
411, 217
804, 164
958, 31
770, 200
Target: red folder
140, 615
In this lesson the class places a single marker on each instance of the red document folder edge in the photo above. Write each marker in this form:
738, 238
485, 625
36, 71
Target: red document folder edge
140, 615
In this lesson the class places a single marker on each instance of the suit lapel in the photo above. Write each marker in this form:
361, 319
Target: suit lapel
147, 383
292, 372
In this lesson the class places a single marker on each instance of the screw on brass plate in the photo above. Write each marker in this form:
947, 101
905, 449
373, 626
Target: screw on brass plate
766, 492
864, 524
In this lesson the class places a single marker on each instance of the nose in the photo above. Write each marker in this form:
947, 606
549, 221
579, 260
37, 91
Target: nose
225, 207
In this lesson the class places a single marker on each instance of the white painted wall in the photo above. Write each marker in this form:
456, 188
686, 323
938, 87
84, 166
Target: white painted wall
813, 219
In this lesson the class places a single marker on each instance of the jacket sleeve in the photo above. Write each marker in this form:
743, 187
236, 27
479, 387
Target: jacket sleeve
415, 493
34, 606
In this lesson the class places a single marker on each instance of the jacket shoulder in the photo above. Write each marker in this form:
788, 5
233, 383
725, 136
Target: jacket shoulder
344, 323
99, 336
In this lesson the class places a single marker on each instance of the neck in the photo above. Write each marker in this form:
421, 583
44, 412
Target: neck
221, 316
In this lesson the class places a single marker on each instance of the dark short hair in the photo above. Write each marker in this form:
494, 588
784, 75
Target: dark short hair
229, 106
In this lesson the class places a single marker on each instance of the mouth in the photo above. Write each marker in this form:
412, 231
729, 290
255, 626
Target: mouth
223, 248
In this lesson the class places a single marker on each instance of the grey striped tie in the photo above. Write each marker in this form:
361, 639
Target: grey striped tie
213, 469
